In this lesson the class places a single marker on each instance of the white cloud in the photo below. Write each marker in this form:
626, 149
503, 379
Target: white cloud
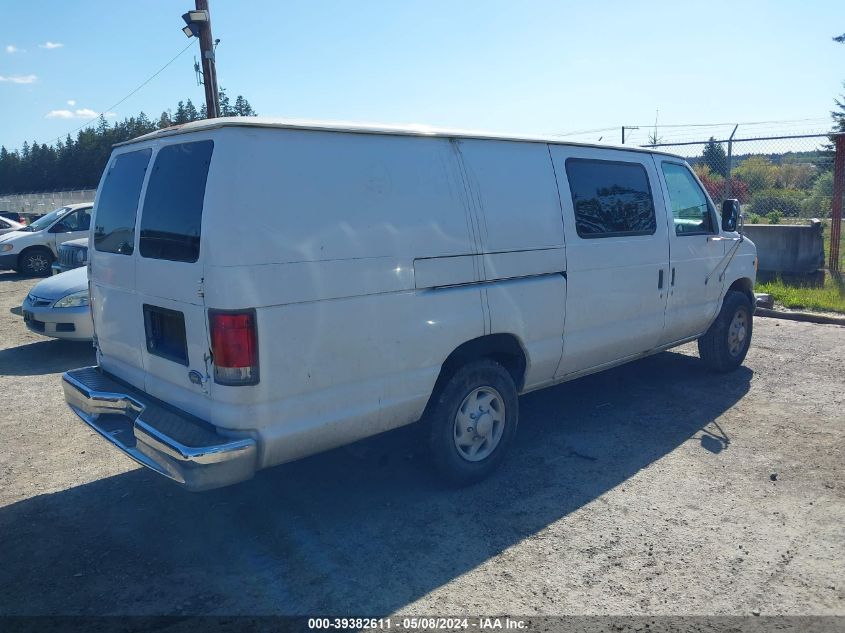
19, 79
59, 114
71, 102
11, 48
81, 113
50, 45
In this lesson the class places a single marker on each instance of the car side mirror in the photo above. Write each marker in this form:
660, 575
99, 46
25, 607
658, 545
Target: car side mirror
60, 227
730, 214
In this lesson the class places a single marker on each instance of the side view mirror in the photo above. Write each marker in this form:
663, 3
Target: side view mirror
730, 214
60, 227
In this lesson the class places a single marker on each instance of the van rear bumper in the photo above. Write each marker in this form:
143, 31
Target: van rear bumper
173, 443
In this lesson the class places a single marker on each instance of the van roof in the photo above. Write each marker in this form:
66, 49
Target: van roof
368, 128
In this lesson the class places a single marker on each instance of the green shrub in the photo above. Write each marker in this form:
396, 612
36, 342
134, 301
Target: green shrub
787, 201
774, 217
818, 205
753, 218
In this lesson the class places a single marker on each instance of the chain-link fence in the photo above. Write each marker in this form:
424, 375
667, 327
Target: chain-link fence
789, 176
36, 204
777, 179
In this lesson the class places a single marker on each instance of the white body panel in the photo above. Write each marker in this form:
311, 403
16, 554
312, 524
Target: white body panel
368, 259
615, 307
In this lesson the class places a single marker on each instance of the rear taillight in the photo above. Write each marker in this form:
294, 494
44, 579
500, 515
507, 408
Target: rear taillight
234, 347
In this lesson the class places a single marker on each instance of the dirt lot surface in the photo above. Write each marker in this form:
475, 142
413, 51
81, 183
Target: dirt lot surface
655, 488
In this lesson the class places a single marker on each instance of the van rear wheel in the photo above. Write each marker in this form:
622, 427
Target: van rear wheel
724, 346
472, 422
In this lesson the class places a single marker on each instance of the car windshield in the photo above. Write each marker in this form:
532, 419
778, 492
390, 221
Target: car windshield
42, 223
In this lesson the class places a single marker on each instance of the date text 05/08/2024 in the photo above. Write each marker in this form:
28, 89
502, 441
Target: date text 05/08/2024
418, 623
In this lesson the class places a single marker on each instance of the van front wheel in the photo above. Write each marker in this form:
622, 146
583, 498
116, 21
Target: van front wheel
724, 346
472, 422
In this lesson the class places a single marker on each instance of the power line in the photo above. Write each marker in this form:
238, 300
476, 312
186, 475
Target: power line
781, 121
141, 85
678, 127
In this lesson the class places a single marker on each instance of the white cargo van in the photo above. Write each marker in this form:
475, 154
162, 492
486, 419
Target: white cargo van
383, 276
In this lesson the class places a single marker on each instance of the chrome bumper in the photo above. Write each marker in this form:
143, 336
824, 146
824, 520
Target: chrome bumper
173, 443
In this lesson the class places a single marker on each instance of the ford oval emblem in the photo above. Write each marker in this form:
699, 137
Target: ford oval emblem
195, 377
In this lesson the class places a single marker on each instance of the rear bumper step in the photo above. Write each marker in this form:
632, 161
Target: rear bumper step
173, 443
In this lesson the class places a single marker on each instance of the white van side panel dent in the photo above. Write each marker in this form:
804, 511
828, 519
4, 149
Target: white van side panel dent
336, 371
316, 196
512, 189
533, 310
234, 287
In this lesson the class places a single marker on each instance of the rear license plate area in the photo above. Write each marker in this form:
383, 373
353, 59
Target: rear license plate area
165, 330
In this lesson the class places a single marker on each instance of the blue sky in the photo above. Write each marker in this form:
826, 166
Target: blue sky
531, 67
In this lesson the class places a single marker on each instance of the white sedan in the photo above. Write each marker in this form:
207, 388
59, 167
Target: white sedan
9, 226
58, 306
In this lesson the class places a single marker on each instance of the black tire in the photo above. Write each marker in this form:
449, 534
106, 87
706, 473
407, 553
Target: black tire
451, 465
719, 348
35, 261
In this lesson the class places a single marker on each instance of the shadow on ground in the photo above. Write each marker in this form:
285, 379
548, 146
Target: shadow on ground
10, 275
348, 532
49, 356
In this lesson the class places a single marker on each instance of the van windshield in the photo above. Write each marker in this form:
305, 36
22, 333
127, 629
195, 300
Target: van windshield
42, 223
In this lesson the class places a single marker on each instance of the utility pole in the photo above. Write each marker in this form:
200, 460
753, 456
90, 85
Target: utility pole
209, 67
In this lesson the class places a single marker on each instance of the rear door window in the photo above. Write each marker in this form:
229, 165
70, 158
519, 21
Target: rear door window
114, 223
172, 214
610, 198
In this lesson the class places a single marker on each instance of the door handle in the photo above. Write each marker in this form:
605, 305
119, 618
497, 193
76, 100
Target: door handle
660, 279
672, 282
719, 238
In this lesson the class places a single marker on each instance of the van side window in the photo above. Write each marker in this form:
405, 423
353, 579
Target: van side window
690, 208
610, 198
114, 222
172, 214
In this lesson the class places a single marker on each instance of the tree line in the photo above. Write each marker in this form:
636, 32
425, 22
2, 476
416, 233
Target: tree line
77, 163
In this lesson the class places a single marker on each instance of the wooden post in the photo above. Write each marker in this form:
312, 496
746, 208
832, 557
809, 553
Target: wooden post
836, 206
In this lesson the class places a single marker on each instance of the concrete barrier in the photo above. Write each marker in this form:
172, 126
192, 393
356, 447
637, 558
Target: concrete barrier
788, 249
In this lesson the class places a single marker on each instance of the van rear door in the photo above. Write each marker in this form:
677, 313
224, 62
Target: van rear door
169, 276
111, 265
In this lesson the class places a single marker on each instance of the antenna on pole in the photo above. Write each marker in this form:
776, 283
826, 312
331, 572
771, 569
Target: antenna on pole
198, 72
198, 24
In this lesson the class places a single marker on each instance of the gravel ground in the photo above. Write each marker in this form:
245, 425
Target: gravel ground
654, 488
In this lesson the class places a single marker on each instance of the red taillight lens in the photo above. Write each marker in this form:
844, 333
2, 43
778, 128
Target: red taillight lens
234, 347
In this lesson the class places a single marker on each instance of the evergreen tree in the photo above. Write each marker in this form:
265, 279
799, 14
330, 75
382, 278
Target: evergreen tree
715, 158
223, 99
242, 107
181, 115
165, 120
190, 111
